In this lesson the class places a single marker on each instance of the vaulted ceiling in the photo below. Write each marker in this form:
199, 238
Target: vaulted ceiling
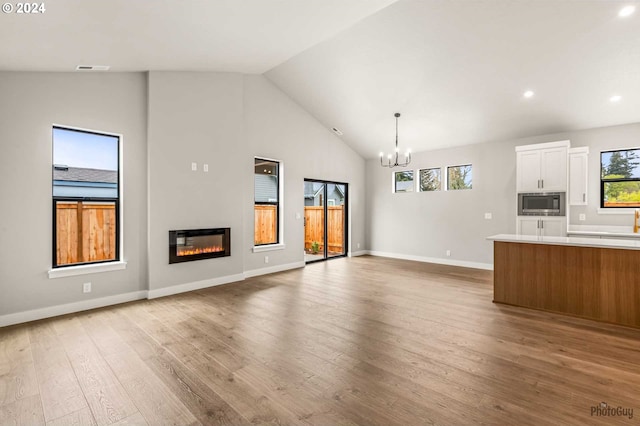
455, 69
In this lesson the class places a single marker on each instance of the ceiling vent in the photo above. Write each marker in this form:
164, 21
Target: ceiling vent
92, 68
337, 131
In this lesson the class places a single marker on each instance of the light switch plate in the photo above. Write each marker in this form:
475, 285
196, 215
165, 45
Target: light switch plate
205, 167
582, 216
194, 166
488, 215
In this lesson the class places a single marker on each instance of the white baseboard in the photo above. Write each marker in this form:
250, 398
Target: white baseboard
69, 308
272, 269
196, 285
358, 253
452, 262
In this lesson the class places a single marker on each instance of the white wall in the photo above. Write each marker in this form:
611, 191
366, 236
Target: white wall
276, 127
423, 225
30, 103
169, 120
195, 117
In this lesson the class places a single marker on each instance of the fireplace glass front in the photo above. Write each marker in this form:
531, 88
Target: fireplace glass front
197, 244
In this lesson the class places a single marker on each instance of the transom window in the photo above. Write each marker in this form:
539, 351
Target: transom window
403, 181
431, 179
459, 177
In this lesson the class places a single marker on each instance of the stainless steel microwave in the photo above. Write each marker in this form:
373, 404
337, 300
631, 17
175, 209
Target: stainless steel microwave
541, 204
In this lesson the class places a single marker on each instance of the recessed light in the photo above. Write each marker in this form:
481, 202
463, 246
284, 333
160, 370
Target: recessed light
528, 94
626, 11
615, 98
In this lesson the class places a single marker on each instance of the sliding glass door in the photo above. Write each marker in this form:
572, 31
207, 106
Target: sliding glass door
325, 219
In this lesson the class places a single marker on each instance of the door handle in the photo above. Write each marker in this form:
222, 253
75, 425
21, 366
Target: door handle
542, 183
541, 224
538, 183
584, 197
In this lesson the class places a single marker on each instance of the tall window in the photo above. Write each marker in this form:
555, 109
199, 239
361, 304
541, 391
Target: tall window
86, 197
403, 181
430, 179
266, 201
459, 177
620, 178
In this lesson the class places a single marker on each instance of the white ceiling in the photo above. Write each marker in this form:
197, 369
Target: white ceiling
456, 70
249, 36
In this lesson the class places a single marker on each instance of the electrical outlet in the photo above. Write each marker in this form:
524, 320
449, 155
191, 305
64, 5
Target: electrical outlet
298, 216
86, 288
194, 166
266, 259
358, 245
205, 167
582, 216
488, 216
448, 252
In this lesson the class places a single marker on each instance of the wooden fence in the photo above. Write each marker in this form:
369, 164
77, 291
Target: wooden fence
313, 230
265, 217
86, 232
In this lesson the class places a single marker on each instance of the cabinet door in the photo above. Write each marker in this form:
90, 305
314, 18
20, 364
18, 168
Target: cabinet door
528, 225
553, 169
554, 227
528, 171
578, 179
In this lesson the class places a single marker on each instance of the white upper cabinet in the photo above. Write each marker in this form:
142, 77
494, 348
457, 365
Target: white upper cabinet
578, 160
542, 167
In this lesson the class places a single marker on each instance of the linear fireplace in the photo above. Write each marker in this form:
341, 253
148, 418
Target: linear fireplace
196, 244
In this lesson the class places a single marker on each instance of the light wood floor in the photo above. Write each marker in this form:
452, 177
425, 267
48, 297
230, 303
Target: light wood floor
351, 341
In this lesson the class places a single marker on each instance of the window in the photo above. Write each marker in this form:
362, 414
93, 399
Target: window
620, 178
267, 192
459, 177
430, 179
86, 197
403, 181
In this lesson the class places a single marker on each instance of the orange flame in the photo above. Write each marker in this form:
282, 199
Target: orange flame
192, 251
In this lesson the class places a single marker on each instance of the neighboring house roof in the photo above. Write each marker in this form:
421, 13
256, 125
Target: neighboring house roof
403, 186
266, 188
78, 174
310, 193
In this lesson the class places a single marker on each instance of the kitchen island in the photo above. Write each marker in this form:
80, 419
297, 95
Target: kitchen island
595, 278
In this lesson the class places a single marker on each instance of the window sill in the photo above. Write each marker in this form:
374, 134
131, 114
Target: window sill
87, 269
616, 211
270, 247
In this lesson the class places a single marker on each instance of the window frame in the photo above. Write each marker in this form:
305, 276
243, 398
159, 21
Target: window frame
100, 265
394, 181
279, 244
418, 184
447, 177
617, 180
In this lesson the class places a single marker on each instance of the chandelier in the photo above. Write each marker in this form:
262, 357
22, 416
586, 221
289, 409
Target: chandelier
407, 154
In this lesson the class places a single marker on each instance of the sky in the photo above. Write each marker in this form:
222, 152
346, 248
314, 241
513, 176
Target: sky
79, 149
605, 158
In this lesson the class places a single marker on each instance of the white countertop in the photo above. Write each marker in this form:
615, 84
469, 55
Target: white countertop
603, 231
631, 244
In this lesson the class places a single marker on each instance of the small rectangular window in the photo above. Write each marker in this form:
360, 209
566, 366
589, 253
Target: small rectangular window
459, 177
266, 201
431, 179
620, 178
86, 197
403, 181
